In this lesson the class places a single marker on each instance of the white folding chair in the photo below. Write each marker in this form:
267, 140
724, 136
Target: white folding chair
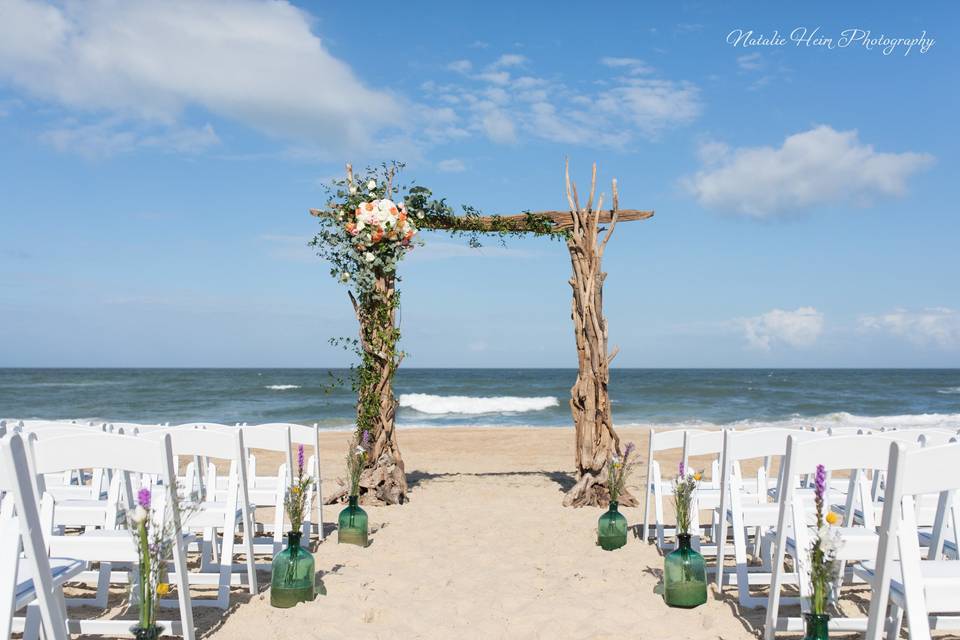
135, 459
307, 437
211, 515
742, 509
707, 495
857, 455
30, 580
269, 491
927, 590
656, 488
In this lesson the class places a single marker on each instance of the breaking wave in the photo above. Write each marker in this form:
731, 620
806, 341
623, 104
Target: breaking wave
281, 387
437, 405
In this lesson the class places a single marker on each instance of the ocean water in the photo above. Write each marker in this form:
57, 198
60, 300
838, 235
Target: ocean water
492, 397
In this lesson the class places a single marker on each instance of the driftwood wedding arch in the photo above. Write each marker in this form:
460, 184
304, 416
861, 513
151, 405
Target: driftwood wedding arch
587, 228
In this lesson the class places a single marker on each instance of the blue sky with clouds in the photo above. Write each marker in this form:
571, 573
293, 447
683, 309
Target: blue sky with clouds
157, 162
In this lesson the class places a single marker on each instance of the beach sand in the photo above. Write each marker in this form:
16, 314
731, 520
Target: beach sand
483, 549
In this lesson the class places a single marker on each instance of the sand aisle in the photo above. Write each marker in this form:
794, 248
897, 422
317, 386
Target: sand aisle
484, 549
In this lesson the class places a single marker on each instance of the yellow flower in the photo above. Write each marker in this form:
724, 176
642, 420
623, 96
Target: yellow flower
697, 476
163, 589
832, 518
296, 489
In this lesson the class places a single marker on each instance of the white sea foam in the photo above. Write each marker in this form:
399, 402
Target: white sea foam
950, 390
281, 387
838, 419
469, 405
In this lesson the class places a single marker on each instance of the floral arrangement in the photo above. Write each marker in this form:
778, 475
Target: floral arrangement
618, 470
296, 496
823, 549
357, 460
684, 486
154, 536
368, 229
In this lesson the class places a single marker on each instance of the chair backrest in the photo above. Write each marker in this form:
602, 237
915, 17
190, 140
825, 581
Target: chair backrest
705, 443
19, 527
270, 438
60, 431
99, 450
935, 438
671, 439
914, 472
212, 426
761, 443
848, 431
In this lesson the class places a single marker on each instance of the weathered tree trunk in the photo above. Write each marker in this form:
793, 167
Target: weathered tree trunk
384, 481
596, 439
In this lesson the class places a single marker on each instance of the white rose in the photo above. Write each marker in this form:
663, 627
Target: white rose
344, 276
420, 215
371, 185
369, 257
139, 515
360, 224
353, 189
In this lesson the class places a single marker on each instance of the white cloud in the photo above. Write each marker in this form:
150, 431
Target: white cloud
254, 62
815, 167
935, 326
631, 65
506, 109
499, 127
798, 328
111, 136
509, 60
750, 61
460, 66
451, 165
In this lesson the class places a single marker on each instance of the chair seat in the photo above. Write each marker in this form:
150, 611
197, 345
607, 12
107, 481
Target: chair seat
61, 570
949, 547
941, 583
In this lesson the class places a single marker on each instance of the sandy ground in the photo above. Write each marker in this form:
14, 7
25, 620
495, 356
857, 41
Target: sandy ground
483, 549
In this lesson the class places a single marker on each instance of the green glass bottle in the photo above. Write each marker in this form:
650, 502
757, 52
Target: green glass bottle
293, 576
684, 576
145, 633
352, 525
817, 626
612, 529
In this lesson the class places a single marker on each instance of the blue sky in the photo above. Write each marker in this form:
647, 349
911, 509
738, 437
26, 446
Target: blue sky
157, 163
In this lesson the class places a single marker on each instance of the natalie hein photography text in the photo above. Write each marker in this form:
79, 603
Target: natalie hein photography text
848, 38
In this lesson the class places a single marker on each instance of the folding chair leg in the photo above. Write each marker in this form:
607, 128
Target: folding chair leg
31, 625
894, 622
103, 585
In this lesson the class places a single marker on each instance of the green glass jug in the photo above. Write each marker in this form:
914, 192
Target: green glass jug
293, 574
817, 626
612, 529
684, 576
352, 525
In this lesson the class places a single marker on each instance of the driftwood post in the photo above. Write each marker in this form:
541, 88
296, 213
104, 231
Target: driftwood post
384, 481
596, 439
